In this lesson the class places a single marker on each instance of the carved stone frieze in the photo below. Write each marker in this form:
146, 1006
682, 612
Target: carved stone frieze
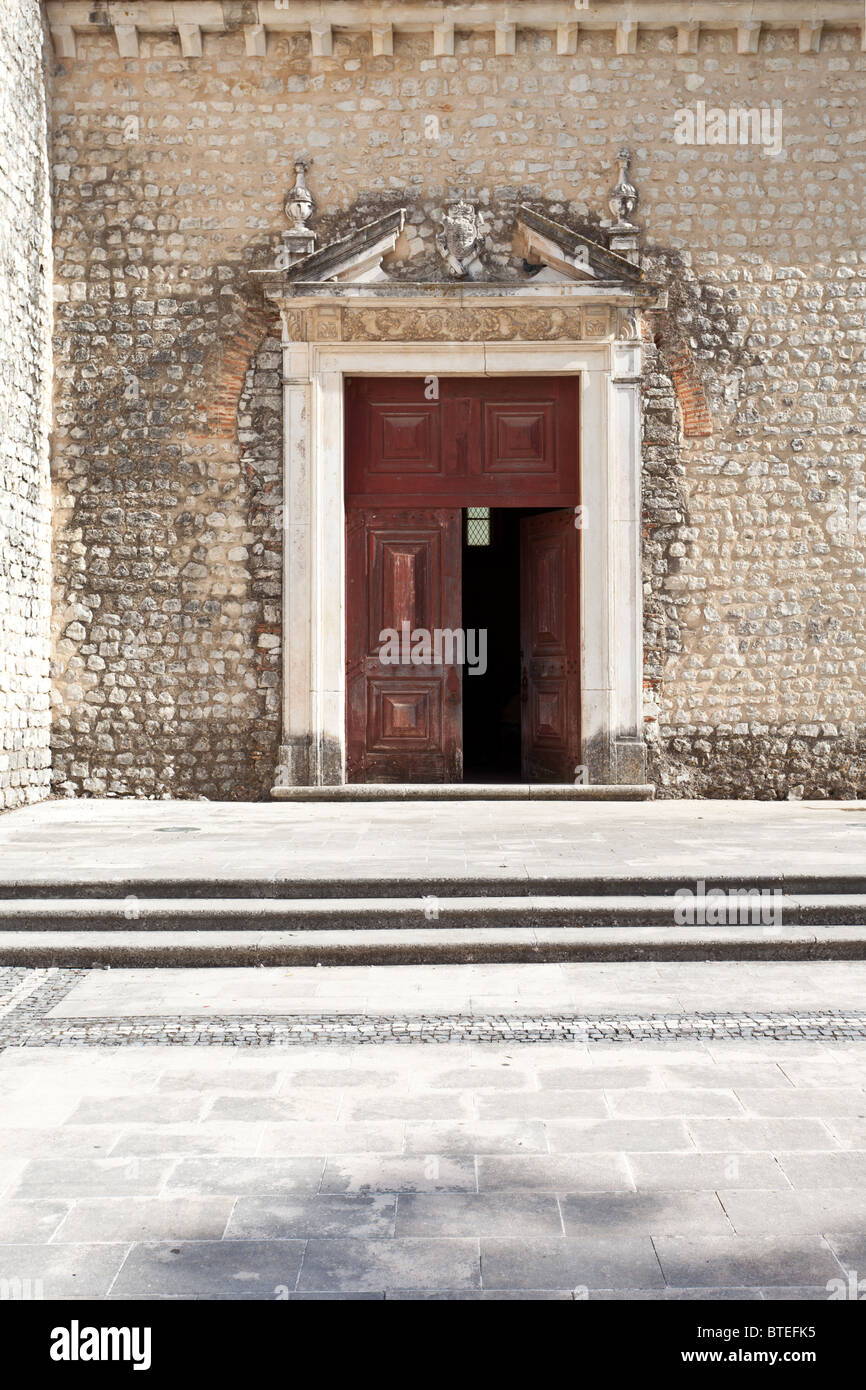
596, 323
295, 325
627, 326
325, 323
412, 323
420, 324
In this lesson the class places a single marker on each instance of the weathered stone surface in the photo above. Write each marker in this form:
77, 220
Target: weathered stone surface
170, 174
25, 384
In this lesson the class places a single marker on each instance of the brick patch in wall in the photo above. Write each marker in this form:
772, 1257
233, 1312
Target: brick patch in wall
690, 396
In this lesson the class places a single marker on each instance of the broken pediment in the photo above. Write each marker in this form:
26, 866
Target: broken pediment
545, 256
567, 255
356, 258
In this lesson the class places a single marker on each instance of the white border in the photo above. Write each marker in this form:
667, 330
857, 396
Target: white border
314, 684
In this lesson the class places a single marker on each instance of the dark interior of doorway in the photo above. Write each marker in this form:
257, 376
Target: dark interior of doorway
491, 602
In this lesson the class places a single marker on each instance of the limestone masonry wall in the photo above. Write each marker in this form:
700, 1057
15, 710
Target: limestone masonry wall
25, 375
170, 174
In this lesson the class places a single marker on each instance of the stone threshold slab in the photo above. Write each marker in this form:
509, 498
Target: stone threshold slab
465, 791
586, 988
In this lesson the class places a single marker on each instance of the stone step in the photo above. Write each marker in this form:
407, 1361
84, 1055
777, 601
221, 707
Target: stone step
452, 913
387, 885
469, 791
423, 946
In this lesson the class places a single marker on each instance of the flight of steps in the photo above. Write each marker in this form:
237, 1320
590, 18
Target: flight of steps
401, 920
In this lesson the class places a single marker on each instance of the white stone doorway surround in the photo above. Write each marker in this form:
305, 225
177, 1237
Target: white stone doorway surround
313, 748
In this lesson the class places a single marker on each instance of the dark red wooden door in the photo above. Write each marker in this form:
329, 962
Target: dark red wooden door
404, 719
462, 441
549, 651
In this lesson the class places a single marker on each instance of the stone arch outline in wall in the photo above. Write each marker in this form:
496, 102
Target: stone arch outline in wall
236, 352
230, 662
679, 364
674, 408
664, 518
697, 422
699, 339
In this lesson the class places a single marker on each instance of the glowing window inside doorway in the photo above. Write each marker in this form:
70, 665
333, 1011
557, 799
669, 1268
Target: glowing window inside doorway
477, 525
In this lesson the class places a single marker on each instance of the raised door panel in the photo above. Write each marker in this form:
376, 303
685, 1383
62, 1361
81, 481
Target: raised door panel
519, 438
462, 441
403, 571
404, 716
403, 439
393, 440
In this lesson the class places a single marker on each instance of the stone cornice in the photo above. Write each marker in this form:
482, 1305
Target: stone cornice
435, 294
188, 20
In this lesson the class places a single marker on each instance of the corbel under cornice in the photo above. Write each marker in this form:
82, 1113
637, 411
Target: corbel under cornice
566, 20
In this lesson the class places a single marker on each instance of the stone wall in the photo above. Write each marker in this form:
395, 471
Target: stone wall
25, 375
755, 537
170, 176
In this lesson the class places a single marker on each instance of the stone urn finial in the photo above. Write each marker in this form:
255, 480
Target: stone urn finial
299, 203
622, 232
299, 241
623, 200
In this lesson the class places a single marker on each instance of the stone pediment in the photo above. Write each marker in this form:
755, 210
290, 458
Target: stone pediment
546, 258
567, 255
553, 255
356, 258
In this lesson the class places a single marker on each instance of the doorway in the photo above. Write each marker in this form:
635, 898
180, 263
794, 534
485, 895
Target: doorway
491, 606
462, 580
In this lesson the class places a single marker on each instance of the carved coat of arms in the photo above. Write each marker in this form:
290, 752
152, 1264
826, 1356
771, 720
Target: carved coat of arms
461, 239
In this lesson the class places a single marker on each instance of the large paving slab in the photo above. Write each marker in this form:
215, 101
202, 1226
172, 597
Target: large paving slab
466, 989
77, 841
688, 1170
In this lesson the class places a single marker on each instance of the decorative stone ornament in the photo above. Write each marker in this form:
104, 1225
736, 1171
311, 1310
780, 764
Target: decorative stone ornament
189, 19
298, 241
623, 200
299, 204
344, 316
622, 232
461, 240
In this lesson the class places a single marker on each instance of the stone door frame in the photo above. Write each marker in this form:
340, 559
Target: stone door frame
313, 750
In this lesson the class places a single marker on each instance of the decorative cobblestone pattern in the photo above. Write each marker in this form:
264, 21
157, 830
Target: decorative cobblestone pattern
169, 622
27, 996
826, 1026
25, 375
170, 175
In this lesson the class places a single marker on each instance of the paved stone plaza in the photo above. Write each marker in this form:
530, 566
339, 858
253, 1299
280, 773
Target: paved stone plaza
635, 1168
604, 1129
70, 841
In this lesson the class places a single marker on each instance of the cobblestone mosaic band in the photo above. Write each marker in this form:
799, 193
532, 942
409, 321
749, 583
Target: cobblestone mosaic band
26, 997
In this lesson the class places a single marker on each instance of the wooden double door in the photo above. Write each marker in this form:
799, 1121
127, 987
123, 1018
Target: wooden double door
502, 443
